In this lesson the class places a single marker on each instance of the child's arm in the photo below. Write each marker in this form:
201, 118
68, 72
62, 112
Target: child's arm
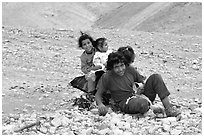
101, 88
97, 67
85, 67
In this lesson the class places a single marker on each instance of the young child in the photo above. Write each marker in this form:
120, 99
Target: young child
100, 58
86, 42
129, 55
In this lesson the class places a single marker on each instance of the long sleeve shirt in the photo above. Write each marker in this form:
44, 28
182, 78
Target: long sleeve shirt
87, 61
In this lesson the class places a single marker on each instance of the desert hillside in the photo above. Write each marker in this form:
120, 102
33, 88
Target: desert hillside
165, 17
54, 15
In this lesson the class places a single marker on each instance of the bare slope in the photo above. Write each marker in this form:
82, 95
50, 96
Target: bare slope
46, 15
180, 18
121, 15
146, 13
54, 15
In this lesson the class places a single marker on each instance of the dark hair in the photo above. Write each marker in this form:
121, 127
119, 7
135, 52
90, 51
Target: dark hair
115, 58
85, 36
128, 53
99, 42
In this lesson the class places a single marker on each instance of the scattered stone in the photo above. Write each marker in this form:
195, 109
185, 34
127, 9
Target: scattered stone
166, 127
52, 130
198, 109
104, 131
195, 67
194, 62
56, 122
94, 111
175, 132
88, 131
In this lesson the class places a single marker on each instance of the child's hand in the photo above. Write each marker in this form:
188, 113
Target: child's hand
102, 109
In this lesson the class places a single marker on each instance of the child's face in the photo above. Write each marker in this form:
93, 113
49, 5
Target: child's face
119, 69
104, 47
87, 45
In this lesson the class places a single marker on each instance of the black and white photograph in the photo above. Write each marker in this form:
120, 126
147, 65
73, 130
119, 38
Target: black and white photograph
101, 68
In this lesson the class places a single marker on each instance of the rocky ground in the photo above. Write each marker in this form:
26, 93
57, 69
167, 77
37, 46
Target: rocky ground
38, 64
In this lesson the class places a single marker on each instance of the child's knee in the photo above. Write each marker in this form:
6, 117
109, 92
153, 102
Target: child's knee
156, 76
144, 107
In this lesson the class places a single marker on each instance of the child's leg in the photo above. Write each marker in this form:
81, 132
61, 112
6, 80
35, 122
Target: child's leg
134, 105
156, 86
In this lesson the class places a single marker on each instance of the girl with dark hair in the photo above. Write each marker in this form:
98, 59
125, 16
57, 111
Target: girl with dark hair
128, 53
87, 43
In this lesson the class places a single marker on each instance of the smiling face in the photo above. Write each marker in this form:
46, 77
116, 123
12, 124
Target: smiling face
119, 69
87, 45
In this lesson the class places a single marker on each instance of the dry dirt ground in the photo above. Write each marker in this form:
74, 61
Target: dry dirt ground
38, 64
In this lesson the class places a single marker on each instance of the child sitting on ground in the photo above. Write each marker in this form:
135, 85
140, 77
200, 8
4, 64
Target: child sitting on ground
129, 55
93, 72
86, 42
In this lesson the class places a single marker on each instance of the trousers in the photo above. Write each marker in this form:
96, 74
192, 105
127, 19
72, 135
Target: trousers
154, 86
